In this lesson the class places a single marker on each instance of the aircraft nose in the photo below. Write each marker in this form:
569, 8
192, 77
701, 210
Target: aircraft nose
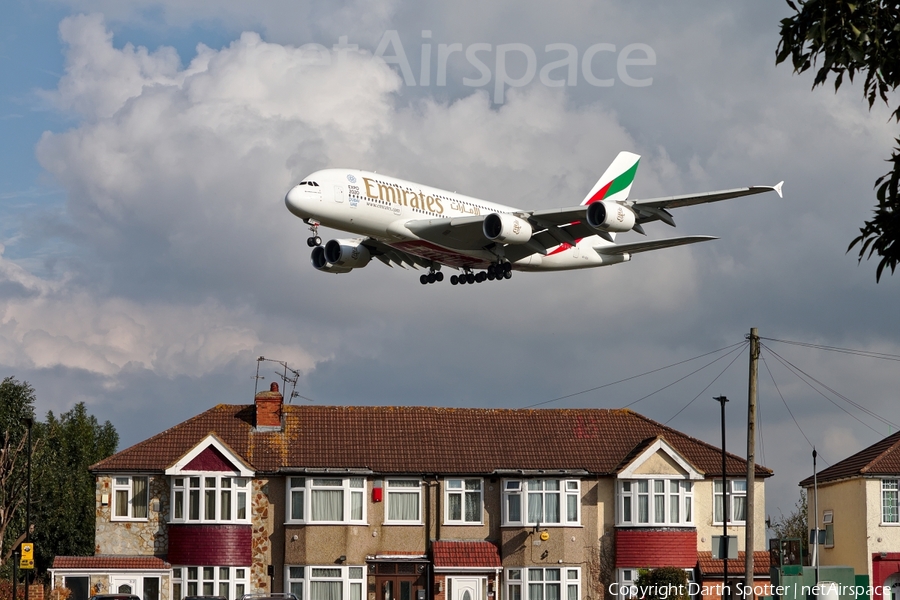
294, 200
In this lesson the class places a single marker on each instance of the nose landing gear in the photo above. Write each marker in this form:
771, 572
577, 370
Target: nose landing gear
314, 240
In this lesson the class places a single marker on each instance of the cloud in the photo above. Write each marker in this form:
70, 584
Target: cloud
181, 264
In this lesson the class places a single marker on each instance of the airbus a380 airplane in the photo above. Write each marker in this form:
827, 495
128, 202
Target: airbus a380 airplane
405, 223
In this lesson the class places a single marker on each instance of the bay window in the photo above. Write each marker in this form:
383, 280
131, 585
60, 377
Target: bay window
537, 583
326, 499
736, 507
229, 582
325, 583
541, 501
655, 502
210, 498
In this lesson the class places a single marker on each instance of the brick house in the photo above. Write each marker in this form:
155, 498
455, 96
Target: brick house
859, 509
407, 503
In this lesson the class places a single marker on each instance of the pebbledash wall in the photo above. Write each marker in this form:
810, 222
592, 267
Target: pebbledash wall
138, 537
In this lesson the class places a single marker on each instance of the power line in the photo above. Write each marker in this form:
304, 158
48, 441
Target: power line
708, 386
780, 395
605, 385
866, 353
860, 407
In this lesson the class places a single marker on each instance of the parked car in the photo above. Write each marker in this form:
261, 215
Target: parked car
205, 598
115, 597
270, 596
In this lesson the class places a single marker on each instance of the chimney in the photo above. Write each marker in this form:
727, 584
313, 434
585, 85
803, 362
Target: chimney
268, 409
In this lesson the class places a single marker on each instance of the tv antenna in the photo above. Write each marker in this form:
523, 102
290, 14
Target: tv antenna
292, 378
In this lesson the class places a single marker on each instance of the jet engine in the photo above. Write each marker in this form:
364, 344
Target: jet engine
319, 262
349, 254
506, 229
610, 216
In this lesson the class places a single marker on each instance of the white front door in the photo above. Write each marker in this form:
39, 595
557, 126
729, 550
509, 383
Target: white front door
124, 585
466, 588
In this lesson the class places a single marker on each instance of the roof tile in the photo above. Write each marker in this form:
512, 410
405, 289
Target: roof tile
390, 439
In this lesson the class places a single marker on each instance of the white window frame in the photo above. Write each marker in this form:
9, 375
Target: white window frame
525, 491
216, 487
631, 492
126, 484
298, 580
890, 488
191, 580
402, 486
302, 489
520, 579
732, 493
459, 486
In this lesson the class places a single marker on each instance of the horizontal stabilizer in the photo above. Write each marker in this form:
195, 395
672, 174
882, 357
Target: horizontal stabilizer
645, 246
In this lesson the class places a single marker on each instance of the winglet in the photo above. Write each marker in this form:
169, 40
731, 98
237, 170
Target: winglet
777, 188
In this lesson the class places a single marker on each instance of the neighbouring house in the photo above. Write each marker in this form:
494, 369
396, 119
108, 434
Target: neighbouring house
857, 502
406, 503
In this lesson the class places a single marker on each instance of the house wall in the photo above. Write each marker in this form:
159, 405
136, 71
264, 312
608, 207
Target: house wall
852, 515
883, 539
134, 538
263, 523
703, 517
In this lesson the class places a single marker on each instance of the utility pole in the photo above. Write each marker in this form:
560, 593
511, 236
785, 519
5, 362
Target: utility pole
749, 529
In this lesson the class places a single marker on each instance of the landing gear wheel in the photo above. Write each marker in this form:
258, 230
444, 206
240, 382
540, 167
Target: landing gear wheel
454, 279
439, 276
431, 277
470, 277
507, 274
423, 279
314, 241
480, 277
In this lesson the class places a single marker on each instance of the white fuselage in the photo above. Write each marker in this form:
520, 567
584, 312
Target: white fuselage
378, 206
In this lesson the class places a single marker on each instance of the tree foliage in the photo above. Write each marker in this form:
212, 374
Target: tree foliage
838, 37
795, 524
66, 489
16, 405
664, 583
63, 490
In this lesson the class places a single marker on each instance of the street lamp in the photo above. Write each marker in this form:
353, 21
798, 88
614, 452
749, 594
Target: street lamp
29, 422
726, 593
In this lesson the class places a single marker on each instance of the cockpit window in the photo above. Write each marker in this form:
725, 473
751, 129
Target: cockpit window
302, 183
310, 183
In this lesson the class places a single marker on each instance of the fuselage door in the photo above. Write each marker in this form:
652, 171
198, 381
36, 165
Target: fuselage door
338, 193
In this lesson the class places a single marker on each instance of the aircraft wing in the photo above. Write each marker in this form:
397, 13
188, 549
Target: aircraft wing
460, 233
392, 256
657, 208
645, 246
652, 209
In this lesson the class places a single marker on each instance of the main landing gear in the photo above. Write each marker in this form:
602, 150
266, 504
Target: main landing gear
494, 273
314, 240
431, 277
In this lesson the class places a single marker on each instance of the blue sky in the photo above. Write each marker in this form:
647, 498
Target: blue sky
147, 258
